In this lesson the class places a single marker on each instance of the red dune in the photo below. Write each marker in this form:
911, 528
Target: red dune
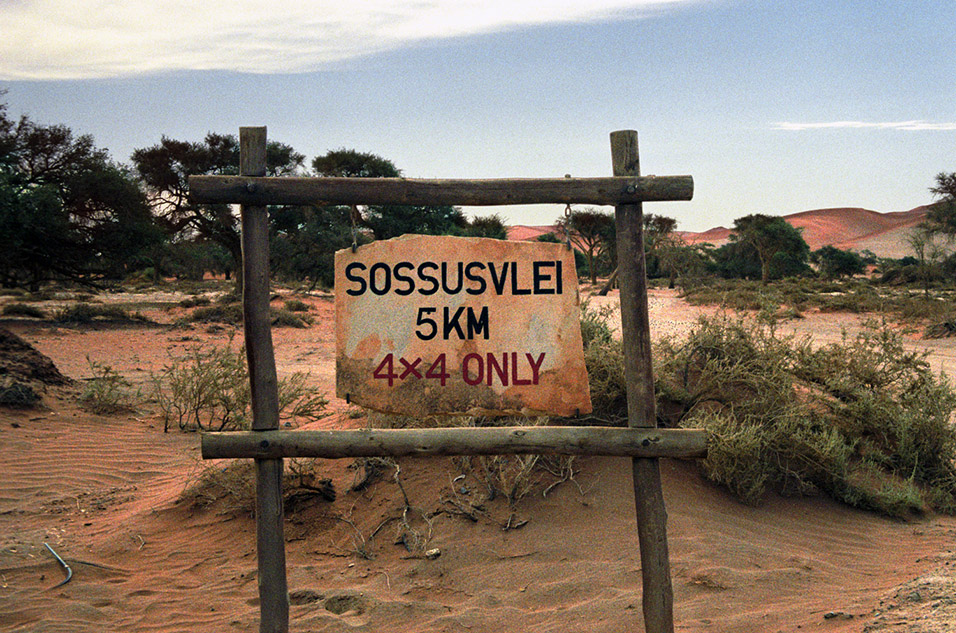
846, 228
520, 232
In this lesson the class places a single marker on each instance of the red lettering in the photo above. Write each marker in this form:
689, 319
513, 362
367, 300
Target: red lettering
386, 370
535, 366
501, 370
410, 368
476, 380
438, 371
514, 363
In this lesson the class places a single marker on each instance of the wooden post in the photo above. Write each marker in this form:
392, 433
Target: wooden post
257, 327
658, 596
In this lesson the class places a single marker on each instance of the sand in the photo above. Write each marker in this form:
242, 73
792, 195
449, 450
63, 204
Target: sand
102, 491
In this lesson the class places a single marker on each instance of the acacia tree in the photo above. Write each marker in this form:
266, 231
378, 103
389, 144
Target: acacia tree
588, 230
774, 241
165, 169
942, 216
388, 221
66, 209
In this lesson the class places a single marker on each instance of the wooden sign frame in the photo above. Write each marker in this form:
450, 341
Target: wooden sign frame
626, 189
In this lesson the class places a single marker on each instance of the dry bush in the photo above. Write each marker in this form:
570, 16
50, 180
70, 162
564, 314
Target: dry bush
208, 389
107, 392
863, 420
231, 488
88, 313
23, 309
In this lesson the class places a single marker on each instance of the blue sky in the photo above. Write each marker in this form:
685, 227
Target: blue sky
773, 107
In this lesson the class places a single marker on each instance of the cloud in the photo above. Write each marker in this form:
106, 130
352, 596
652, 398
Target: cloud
62, 39
861, 125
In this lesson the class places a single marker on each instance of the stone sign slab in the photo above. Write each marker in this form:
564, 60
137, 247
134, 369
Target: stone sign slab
429, 325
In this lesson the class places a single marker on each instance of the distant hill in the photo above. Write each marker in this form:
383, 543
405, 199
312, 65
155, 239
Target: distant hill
846, 228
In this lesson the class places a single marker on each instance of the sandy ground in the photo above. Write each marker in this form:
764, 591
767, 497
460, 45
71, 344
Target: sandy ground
102, 491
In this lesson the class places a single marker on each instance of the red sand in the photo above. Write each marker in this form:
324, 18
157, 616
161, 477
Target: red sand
102, 491
846, 228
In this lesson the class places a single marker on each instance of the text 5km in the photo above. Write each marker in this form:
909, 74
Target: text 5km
505, 368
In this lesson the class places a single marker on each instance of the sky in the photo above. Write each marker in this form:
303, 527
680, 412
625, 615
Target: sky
773, 107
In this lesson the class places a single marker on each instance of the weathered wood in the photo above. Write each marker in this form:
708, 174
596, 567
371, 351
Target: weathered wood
658, 597
563, 440
277, 191
270, 542
255, 290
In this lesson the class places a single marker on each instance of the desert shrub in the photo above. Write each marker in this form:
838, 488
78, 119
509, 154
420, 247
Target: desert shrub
296, 305
195, 302
232, 487
208, 389
864, 420
87, 313
941, 329
509, 477
17, 395
285, 318
231, 314
22, 309
106, 392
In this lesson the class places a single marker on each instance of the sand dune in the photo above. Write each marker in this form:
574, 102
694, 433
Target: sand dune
855, 229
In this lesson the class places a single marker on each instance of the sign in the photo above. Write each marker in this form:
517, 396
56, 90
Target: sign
431, 325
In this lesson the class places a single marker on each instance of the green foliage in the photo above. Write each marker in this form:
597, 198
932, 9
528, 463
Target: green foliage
208, 389
864, 420
231, 314
604, 359
66, 210
106, 392
591, 231
296, 305
835, 263
492, 226
779, 248
165, 168
349, 163
195, 302
942, 215
88, 313
801, 294
23, 309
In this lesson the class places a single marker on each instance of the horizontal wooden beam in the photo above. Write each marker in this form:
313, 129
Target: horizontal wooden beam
493, 192
563, 440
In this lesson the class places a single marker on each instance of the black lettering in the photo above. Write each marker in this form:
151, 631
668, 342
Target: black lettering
498, 283
482, 284
361, 280
453, 323
444, 279
515, 290
430, 324
429, 278
478, 325
559, 277
405, 279
538, 277
386, 284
